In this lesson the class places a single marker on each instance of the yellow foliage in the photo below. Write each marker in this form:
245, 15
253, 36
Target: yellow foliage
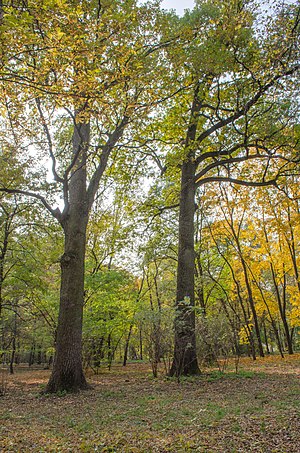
243, 337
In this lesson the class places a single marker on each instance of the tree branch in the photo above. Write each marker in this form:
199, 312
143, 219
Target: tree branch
49, 140
233, 160
242, 111
271, 182
106, 150
54, 212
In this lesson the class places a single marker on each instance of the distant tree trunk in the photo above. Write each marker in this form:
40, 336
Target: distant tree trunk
17, 356
12, 358
67, 373
109, 351
155, 335
157, 324
185, 358
97, 352
250, 298
249, 334
13, 353
273, 324
31, 358
141, 342
6, 228
266, 336
282, 297
39, 355
277, 337
200, 286
127, 345
282, 309
233, 324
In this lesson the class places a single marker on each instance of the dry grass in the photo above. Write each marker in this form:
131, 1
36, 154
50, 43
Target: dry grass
257, 410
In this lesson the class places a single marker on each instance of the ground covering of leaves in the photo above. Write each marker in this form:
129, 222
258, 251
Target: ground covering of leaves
256, 410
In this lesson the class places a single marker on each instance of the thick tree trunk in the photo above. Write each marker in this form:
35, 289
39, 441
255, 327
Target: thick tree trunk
185, 358
67, 371
67, 374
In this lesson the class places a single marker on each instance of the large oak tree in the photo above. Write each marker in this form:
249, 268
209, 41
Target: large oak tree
240, 77
76, 77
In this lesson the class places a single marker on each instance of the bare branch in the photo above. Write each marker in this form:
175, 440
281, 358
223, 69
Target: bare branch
242, 111
106, 150
233, 160
49, 140
54, 212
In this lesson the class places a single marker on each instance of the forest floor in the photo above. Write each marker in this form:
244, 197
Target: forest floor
255, 410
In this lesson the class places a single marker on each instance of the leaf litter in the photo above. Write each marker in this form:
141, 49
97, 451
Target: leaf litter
129, 411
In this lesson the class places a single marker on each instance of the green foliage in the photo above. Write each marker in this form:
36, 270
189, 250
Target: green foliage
133, 61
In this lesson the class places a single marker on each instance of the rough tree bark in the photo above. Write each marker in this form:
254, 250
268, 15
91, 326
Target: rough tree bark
67, 371
185, 358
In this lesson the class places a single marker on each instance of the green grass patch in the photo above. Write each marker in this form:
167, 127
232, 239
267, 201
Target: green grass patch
242, 374
127, 412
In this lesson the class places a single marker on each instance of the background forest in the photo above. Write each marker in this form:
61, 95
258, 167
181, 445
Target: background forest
155, 156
